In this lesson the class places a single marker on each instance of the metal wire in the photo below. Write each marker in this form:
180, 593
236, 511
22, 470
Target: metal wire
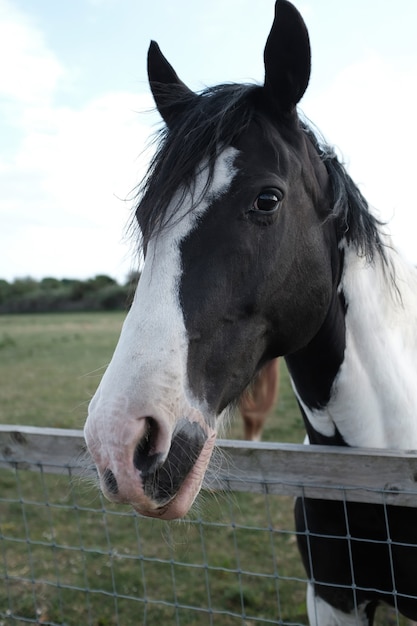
67, 557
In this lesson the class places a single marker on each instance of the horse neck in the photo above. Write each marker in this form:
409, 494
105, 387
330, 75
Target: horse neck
364, 358
381, 313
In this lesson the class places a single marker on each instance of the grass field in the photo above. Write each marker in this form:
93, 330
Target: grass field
50, 365
69, 558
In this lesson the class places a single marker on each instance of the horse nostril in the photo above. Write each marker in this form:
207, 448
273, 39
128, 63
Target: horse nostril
110, 482
145, 457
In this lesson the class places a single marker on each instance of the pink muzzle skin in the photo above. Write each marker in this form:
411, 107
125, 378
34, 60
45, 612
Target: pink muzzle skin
123, 483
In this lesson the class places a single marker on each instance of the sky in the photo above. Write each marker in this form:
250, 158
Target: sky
76, 113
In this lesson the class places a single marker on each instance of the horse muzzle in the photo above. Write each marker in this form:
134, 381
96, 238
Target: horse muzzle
148, 464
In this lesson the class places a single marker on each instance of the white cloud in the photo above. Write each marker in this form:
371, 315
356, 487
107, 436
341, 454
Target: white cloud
67, 186
29, 71
68, 170
84, 156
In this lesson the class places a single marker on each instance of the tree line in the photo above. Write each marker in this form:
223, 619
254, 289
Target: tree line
101, 293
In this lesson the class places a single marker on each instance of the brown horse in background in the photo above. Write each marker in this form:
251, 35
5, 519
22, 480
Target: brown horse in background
258, 399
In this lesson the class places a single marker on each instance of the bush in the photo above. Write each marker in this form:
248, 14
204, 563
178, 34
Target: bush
26, 295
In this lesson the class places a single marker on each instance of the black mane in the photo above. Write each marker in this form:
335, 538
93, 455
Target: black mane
216, 119
350, 208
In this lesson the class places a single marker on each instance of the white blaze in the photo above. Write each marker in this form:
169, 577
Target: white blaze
148, 372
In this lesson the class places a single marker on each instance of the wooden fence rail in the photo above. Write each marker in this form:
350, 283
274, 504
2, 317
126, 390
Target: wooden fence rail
361, 475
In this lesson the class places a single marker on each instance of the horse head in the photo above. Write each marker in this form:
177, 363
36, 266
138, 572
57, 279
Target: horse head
236, 231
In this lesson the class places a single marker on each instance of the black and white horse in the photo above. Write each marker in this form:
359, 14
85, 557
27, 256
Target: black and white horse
258, 244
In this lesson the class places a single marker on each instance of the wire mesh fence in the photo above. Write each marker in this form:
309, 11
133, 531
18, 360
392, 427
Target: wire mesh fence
68, 557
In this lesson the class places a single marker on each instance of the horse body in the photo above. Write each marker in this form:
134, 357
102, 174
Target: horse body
258, 245
372, 404
258, 399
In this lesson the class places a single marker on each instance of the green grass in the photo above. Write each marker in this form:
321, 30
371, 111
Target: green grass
69, 558
50, 365
219, 562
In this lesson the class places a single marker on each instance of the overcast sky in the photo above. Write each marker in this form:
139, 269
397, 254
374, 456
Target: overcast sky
73, 92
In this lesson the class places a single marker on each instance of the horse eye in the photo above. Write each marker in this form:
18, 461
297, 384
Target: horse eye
267, 201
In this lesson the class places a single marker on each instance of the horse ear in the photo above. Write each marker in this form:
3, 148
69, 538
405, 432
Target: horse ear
287, 58
169, 92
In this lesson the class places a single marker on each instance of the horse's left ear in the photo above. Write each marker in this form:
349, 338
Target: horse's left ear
287, 58
167, 89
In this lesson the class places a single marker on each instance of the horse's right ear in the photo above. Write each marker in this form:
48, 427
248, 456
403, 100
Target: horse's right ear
169, 92
287, 58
